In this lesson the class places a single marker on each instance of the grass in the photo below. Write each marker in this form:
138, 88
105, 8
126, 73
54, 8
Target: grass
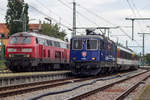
3, 65
146, 94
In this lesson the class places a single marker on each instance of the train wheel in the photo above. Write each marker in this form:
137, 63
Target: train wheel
102, 70
110, 70
50, 67
12, 68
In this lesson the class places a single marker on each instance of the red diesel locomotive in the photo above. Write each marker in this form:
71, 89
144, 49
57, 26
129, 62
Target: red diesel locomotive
28, 51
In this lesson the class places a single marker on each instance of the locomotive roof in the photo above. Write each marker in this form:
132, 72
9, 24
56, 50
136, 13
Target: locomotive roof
88, 36
37, 35
110, 41
94, 36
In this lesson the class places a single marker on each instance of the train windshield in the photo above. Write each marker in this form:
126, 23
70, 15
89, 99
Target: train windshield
92, 44
14, 40
20, 40
26, 40
77, 44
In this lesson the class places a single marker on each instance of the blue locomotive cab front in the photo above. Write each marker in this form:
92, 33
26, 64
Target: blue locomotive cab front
85, 54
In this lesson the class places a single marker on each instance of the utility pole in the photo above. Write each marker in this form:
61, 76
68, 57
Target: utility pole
24, 18
133, 19
23, 15
126, 44
143, 45
74, 19
25, 23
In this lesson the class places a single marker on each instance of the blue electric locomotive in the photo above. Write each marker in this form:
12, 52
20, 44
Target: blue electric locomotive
92, 54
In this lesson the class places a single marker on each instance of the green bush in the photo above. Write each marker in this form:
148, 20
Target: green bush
2, 65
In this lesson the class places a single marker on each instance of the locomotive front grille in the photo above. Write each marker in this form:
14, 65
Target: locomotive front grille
18, 55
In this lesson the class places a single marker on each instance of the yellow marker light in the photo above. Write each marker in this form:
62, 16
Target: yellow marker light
74, 58
9, 55
93, 58
28, 55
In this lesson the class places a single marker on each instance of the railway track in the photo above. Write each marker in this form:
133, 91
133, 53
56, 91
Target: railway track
35, 86
117, 90
31, 87
24, 88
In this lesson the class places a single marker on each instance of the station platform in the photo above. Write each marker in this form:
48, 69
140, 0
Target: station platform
144, 67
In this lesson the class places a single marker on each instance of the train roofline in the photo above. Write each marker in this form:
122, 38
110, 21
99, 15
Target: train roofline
38, 35
88, 36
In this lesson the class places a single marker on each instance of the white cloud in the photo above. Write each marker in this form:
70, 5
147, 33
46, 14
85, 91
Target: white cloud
114, 11
93, 3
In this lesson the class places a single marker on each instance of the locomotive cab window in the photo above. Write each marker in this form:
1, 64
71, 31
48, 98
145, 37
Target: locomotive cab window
77, 44
26, 40
91, 44
22, 40
14, 40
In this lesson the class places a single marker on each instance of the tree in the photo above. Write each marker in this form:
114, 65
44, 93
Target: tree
53, 30
15, 16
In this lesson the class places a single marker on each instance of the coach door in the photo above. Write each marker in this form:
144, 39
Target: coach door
65, 55
41, 51
102, 50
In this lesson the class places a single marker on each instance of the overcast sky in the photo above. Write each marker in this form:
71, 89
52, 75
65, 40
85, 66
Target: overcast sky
92, 13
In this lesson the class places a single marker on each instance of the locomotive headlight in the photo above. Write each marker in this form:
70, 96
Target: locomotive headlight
26, 50
10, 55
28, 55
11, 50
93, 58
74, 58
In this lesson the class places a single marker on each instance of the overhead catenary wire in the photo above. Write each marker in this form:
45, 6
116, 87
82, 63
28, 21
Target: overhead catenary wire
138, 13
43, 5
134, 11
49, 17
122, 30
45, 15
102, 18
93, 13
82, 15
105, 20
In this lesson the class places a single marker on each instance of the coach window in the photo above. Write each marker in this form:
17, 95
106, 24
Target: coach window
40, 41
56, 44
121, 54
49, 42
62, 45
77, 44
92, 44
